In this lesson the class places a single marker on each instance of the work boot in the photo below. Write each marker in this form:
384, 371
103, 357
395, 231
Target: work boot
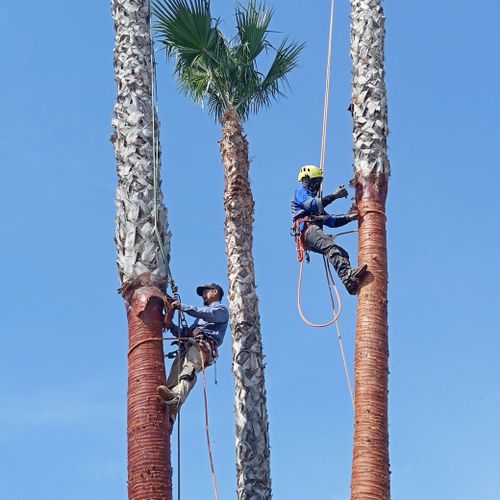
352, 279
358, 272
351, 285
165, 393
172, 400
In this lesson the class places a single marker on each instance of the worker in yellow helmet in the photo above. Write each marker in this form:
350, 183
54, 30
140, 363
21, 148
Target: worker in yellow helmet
309, 217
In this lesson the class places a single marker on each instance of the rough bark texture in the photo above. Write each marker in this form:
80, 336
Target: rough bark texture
149, 470
252, 427
370, 471
369, 96
139, 249
137, 245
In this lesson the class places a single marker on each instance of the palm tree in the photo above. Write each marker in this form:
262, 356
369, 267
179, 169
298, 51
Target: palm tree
370, 472
223, 74
142, 243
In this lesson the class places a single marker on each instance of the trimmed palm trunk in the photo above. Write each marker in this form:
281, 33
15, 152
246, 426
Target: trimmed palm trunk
252, 428
370, 471
142, 269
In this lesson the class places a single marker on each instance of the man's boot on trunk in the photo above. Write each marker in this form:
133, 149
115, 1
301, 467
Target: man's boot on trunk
350, 277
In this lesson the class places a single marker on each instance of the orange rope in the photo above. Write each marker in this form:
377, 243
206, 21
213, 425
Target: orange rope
362, 212
150, 339
299, 301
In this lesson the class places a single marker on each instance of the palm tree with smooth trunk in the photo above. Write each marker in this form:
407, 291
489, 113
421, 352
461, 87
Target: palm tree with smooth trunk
142, 243
370, 471
223, 75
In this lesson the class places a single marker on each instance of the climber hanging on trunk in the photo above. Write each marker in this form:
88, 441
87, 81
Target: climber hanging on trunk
309, 217
202, 338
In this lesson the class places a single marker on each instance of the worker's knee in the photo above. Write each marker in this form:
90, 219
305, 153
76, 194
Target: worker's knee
188, 373
336, 252
193, 355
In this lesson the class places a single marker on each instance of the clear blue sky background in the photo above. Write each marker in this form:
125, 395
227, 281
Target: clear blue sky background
63, 361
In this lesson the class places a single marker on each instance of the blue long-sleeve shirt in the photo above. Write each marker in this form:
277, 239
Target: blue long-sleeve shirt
212, 320
305, 203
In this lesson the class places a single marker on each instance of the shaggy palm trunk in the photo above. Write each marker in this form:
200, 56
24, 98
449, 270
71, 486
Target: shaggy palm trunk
252, 427
142, 270
370, 471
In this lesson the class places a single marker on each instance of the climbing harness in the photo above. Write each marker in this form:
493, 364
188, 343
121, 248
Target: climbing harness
302, 248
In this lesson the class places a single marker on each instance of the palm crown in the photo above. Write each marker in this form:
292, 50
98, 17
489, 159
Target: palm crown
219, 72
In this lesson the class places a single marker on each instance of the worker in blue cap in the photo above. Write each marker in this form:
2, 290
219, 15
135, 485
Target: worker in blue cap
202, 338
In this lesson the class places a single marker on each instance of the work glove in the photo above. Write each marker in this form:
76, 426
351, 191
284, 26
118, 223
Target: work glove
198, 334
320, 219
340, 193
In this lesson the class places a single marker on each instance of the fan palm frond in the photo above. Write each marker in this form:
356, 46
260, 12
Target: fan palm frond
214, 70
272, 85
188, 32
252, 23
186, 29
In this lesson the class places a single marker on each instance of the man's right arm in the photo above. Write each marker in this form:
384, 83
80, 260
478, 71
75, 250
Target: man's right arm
212, 314
329, 198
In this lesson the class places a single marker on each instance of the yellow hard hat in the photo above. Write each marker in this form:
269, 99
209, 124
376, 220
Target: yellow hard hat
310, 171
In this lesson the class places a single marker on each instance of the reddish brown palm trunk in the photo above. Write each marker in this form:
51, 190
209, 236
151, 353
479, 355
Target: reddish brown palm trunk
149, 469
370, 472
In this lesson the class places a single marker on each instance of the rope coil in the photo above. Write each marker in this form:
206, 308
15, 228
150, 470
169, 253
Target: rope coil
362, 212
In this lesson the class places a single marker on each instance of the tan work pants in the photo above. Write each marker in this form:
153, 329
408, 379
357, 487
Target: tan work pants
182, 376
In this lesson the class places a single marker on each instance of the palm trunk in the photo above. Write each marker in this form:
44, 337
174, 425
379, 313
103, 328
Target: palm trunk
252, 427
370, 470
149, 470
142, 241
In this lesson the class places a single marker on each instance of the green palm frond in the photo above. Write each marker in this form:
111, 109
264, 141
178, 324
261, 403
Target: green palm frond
252, 23
216, 105
272, 86
188, 32
184, 26
216, 71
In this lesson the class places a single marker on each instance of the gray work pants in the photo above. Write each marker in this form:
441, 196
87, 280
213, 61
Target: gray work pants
322, 243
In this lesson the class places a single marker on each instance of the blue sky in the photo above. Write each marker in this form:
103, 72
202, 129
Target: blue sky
64, 340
